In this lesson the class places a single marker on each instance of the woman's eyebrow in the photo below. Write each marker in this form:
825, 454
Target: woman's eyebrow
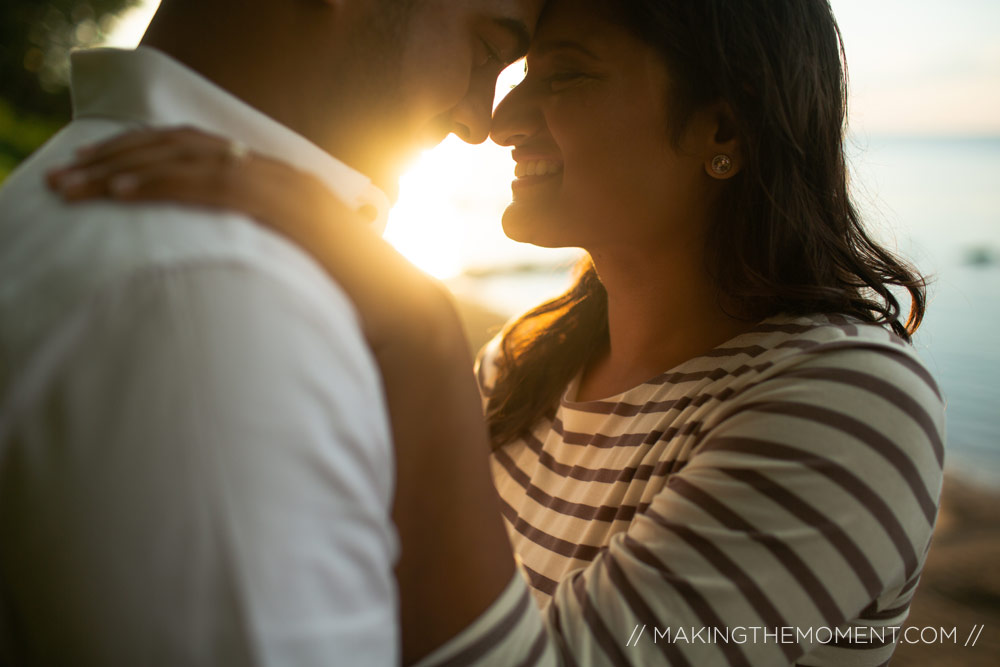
520, 32
548, 46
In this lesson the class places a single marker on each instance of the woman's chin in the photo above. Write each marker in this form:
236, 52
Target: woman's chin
528, 223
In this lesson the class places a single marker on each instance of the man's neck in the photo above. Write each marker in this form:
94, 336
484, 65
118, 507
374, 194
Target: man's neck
226, 51
241, 59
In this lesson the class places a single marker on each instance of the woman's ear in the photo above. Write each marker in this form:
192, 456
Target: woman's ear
723, 153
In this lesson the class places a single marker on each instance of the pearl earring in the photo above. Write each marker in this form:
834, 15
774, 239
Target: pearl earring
722, 165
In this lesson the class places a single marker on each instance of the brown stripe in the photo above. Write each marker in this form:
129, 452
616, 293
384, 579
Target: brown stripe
584, 552
714, 374
919, 370
903, 359
555, 622
870, 613
801, 572
602, 441
835, 473
598, 630
857, 429
897, 339
605, 513
886, 390
843, 324
800, 344
725, 352
623, 409
728, 568
910, 585
540, 582
641, 610
702, 609
605, 475
537, 649
494, 637
783, 328
806, 513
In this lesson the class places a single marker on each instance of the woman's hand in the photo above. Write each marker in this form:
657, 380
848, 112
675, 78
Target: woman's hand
188, 166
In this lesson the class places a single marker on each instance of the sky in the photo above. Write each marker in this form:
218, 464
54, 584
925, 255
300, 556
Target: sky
917, 68
923, 67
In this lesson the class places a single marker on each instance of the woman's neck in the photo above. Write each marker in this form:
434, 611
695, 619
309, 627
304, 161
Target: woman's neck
662, 310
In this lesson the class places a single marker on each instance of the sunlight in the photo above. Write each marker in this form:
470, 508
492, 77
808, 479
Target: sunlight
131, 24
425, 226
452, 199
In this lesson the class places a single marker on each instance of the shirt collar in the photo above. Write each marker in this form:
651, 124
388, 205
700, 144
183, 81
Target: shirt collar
147, 87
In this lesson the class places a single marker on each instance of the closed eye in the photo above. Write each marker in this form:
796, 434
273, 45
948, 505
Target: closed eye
491, 55
563, 80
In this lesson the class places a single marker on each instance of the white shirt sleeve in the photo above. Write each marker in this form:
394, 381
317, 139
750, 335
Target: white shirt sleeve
203, 477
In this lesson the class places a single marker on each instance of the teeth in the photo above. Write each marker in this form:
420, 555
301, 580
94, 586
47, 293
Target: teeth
537, 168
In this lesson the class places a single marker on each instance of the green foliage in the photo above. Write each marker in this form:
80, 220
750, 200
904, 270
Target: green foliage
20, 135
36, 37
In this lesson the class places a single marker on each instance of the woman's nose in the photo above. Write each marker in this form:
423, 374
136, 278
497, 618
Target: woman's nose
514, 119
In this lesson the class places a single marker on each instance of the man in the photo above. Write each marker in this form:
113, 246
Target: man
195, 460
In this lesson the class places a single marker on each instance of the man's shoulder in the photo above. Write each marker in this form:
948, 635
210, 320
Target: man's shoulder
56, 258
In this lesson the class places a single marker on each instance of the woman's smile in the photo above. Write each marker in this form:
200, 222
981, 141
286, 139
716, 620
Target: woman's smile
589, 128
533, 171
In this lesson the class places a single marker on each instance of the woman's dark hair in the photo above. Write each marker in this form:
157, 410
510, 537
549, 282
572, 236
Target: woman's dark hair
786, 238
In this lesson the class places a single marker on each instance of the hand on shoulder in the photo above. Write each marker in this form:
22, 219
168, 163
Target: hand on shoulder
398, 305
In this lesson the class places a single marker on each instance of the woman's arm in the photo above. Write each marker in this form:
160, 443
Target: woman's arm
455, 556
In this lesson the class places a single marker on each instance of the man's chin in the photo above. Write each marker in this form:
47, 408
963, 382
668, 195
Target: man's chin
387, 171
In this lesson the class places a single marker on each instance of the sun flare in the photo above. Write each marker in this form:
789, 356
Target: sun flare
452, 197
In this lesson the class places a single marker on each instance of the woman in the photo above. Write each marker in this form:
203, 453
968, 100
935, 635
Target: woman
721, 424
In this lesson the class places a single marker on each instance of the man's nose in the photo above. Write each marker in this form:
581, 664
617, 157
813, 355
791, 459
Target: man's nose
472, 117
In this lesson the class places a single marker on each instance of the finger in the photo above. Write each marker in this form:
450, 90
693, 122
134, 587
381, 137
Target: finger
82, 181
89, 156
183, 145
272, 193
201, 185
188, 138
126, 141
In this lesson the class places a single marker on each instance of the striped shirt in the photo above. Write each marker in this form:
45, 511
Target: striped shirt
770, 502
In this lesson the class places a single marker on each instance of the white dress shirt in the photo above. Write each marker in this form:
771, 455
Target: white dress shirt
195, 457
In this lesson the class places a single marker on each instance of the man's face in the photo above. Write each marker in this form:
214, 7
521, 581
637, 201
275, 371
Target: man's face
430, 69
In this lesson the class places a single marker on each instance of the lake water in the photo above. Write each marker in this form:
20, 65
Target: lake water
937, 201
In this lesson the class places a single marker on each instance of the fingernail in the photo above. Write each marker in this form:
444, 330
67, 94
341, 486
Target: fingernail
123, 184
